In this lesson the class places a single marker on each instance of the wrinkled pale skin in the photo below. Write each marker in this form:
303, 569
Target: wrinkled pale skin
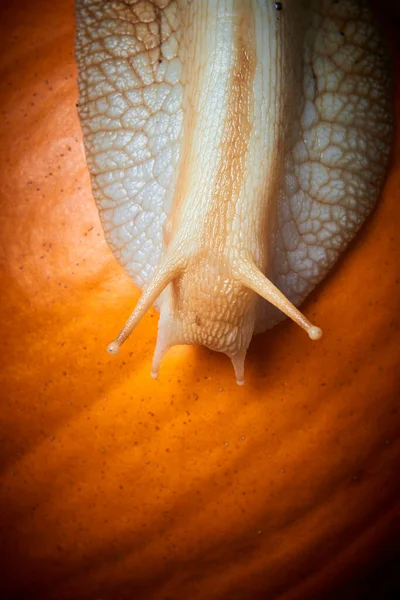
233, 147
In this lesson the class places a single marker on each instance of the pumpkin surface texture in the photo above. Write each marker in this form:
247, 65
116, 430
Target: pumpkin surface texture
115, 486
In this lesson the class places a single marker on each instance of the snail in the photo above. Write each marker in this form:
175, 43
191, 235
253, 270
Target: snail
235, 149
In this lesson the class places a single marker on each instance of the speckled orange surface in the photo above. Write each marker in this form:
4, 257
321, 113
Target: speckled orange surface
115, 486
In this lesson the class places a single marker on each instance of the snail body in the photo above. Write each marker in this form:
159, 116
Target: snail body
235, 149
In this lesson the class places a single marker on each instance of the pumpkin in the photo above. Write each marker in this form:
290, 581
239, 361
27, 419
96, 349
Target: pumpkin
117, 486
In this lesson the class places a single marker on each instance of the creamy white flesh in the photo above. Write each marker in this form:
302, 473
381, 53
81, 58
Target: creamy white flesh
226, 140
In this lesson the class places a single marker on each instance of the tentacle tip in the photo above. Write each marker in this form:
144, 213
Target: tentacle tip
315, 333
113, 348
238, 365
154, 374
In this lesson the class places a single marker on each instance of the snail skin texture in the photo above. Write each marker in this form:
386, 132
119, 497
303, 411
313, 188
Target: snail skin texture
235, 148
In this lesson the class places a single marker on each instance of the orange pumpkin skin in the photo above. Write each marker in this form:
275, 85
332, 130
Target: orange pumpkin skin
116, 486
